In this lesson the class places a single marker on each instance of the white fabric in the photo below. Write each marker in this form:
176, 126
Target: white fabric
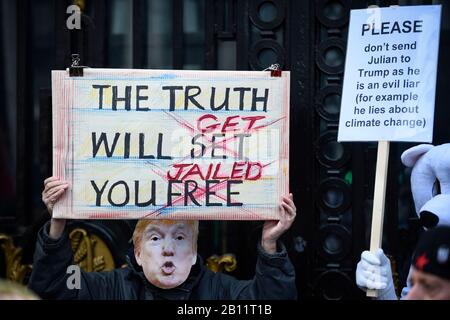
429, 163
374, 272
440, 206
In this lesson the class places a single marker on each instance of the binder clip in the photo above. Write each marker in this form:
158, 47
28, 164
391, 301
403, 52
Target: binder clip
75, 69
275, 70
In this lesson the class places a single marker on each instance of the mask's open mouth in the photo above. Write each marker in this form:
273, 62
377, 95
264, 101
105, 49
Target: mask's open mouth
168, 268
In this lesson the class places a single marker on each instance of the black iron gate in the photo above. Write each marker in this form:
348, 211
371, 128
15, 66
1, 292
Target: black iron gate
332, 182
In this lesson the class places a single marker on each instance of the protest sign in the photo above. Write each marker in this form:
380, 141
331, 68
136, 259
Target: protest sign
171, 144
390, 74
389, 86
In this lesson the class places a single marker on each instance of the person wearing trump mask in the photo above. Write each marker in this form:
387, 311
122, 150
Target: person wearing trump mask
164, 263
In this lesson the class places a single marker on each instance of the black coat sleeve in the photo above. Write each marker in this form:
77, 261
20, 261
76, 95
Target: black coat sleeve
274, 279
50, 277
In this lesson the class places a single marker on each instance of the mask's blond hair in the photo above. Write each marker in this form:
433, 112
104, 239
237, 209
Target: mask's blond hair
143, 223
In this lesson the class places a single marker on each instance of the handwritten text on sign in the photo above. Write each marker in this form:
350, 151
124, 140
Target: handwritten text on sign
171, 144
390, 74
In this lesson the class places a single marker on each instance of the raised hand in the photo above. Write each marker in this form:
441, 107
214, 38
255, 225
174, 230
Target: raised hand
374, 272
273, 229
53, 190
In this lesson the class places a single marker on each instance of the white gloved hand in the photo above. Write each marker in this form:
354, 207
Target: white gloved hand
374, 272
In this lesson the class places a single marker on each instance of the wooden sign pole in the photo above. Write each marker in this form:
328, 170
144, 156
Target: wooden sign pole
379, 196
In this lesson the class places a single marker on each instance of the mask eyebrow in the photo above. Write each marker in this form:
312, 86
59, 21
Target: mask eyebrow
182, 228
151, 229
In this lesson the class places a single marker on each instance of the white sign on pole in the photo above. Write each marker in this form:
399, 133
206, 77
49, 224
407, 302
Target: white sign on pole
390, 74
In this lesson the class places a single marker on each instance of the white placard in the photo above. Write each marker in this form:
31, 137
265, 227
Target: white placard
390, 74
171, 144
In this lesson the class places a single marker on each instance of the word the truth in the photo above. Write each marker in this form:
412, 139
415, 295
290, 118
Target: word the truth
239, 98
